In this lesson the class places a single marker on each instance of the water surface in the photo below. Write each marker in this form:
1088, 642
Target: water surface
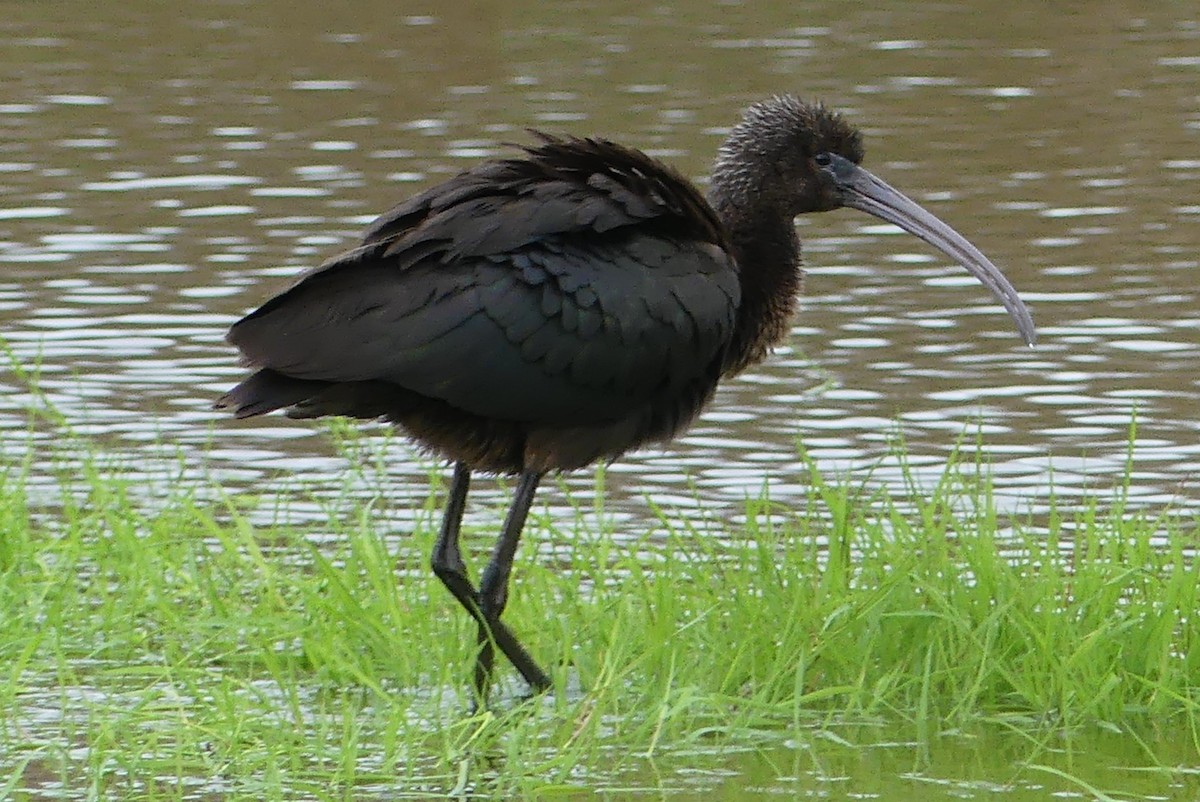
164, 170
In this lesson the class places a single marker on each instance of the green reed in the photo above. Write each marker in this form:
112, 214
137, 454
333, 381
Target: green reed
154, 641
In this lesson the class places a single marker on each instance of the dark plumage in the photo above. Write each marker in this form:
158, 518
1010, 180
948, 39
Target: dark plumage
543, 312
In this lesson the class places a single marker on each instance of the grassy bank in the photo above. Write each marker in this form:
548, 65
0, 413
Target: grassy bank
156, 645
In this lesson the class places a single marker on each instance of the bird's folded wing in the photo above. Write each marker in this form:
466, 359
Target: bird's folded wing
561, 328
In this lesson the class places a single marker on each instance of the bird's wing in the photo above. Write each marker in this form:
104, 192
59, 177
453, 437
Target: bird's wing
539, 299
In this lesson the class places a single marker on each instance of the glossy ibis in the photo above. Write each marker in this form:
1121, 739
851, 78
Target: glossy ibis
581, 299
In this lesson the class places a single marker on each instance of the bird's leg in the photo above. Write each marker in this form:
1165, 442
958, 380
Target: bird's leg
493, 591
447, 561
448, 566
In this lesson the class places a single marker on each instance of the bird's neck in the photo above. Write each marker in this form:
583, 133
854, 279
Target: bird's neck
767, 252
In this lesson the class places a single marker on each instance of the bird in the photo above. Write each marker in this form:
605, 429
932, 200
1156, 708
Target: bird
564, 305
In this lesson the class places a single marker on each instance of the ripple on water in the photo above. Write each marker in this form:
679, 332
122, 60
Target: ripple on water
893, 342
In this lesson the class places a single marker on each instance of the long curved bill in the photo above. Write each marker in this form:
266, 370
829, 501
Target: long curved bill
866, 192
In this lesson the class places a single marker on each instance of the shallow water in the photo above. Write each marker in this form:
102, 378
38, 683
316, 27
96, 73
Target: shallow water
164, 168
887, 763
1014, 761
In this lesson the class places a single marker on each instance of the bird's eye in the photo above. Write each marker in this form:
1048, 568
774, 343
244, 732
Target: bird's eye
823, 160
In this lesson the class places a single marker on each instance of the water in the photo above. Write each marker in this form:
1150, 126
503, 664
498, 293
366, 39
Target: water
165, 168
166, 171
868, 761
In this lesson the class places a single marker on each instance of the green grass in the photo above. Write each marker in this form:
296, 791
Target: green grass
154, 644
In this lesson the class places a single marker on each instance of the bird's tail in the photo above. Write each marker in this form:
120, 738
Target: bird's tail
267, 390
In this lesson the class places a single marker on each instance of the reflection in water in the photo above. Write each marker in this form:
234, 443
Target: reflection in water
166, 176
864, 759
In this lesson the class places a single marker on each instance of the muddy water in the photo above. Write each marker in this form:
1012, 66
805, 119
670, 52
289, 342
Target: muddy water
164, 167
873, 762
163, 170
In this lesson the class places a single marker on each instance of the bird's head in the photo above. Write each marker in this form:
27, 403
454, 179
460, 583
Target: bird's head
795, 157
773, 154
